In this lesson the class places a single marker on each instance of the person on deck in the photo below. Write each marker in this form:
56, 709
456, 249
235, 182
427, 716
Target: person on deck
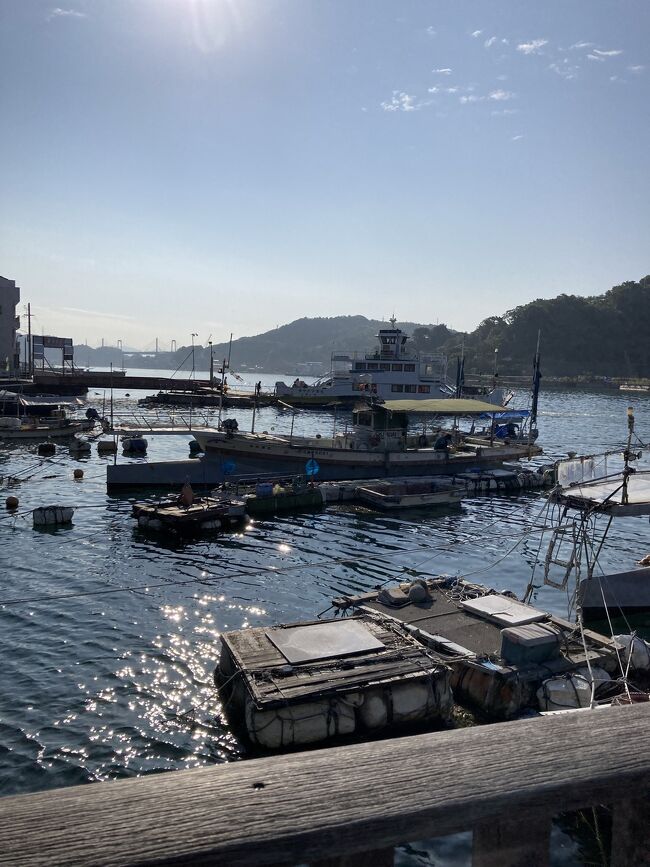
442, 443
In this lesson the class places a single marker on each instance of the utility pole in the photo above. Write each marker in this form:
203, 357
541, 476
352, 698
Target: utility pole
30, 368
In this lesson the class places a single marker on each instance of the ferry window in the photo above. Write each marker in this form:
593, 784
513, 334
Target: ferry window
409, 368
428, 369
397, 388
364, 418
372, 366
384, 366
424, 389
360, 365
411, 389
397, 367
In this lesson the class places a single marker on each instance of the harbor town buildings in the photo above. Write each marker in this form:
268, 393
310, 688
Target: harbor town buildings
9, 324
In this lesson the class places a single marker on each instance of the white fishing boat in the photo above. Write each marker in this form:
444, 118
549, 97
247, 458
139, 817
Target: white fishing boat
391, 372
378, 445
14, 429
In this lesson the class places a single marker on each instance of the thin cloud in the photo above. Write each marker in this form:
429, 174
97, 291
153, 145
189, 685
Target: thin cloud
401, 101
445, 71
99, 313
532, 47
503, 112
581, 45
636, 69
565, 69
477, 33
490, 42
516, 138
464, 100
431, 31
614, 53
65, 13
501, 95
596, 57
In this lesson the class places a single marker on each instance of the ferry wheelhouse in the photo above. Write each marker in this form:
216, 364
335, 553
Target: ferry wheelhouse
394, 371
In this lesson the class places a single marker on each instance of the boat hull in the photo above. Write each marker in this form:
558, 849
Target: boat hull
43, 433
254, 455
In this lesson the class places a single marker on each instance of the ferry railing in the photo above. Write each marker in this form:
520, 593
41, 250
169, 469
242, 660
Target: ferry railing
352, 805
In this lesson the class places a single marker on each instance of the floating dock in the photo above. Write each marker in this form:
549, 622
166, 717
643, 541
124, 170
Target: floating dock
306, 683
204, 514
207, 472
502, 652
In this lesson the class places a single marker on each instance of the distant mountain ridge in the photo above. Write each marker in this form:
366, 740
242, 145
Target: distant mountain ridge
279, 350
602, 335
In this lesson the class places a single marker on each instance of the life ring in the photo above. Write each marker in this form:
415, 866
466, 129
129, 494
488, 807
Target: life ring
422, 440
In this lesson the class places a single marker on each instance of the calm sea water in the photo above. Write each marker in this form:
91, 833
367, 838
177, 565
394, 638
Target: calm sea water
109, 637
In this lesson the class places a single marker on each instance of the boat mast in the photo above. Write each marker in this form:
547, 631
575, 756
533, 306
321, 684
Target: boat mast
537, 375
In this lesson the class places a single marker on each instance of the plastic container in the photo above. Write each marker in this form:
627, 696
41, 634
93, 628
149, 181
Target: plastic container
530, 644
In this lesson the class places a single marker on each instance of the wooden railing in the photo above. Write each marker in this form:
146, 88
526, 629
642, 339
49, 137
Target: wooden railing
353, 804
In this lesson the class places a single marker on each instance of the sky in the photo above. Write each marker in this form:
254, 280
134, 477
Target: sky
172, 168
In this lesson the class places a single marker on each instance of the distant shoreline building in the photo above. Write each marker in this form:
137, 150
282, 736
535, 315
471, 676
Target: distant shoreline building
9, 324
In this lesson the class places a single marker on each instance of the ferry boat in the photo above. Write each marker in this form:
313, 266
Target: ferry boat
393, 372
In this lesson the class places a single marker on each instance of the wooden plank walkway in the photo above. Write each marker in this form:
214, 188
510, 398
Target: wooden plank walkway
503, 781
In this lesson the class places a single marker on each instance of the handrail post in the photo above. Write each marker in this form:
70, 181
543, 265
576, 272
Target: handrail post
631, 832
513, 842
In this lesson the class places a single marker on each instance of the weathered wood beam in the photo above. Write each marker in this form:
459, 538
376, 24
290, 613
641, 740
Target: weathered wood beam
335, 802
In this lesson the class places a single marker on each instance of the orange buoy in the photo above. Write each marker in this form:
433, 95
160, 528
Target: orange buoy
78, 474
12, 502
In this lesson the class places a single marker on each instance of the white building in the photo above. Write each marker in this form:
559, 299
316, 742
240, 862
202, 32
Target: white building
9, 323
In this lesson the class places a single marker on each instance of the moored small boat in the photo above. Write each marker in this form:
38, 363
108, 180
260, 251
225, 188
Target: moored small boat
410, 494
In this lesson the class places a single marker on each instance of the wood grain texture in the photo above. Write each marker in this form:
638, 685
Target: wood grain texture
313, 805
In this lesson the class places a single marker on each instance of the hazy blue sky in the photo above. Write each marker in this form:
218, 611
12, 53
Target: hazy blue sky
179, 166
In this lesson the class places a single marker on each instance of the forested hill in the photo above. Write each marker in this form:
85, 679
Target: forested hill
604, 335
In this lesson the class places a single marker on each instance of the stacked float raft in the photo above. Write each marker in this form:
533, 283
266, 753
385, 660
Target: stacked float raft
203, 514
311, 682
505, 656
507, 480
